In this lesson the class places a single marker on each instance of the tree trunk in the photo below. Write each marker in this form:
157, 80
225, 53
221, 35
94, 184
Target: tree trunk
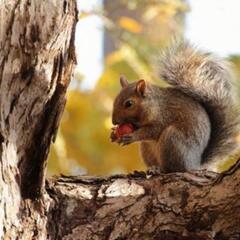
36, 61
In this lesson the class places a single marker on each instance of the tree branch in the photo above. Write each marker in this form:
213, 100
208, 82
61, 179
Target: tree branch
194, 205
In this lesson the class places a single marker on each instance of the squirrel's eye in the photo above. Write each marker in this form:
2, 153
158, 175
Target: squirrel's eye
129, 103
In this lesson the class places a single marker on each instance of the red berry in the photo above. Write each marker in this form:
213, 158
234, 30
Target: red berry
124, 129
121, 130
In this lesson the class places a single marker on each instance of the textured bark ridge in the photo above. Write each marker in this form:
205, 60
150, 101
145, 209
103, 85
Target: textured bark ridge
36, 60
197, 205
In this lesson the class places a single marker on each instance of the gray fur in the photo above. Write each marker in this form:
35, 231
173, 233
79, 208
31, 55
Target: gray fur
208, 80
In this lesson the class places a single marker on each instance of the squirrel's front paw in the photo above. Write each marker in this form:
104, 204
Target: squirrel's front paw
126, 139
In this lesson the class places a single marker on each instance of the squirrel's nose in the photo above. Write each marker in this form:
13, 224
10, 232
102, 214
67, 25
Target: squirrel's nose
114, 120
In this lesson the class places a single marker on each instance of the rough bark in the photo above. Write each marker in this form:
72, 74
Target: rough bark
197, 205
36, 60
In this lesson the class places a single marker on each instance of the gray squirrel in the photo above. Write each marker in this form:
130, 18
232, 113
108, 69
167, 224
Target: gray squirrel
188, 125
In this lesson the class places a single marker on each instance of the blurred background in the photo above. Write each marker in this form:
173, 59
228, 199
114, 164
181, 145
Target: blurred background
116, 37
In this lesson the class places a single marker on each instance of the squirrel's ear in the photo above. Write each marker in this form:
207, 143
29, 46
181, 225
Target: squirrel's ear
123, 81
141, 87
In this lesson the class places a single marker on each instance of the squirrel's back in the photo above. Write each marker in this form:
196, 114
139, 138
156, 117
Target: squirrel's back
209, 81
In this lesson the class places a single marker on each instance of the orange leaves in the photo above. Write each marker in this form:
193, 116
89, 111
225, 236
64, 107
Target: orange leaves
130, 24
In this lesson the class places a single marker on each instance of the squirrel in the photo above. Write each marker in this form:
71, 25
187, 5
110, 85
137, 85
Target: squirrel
188, 125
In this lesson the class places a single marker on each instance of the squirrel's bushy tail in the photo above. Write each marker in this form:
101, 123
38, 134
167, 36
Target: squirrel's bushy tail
208, 80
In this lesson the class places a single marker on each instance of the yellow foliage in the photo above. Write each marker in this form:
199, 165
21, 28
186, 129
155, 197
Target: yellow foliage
165, 10
225, 165
114, 57
130, 24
